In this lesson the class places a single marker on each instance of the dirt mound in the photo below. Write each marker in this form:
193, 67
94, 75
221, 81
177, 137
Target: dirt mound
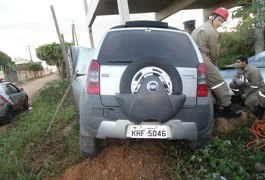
141, 159
223, 125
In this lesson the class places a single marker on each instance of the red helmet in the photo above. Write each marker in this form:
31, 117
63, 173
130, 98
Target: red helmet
223, 12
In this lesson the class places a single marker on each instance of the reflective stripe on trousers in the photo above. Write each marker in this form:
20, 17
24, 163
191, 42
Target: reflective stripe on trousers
262, 95
218, 85
235, 90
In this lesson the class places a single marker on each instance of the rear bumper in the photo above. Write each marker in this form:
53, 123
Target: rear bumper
117, 129
100, 121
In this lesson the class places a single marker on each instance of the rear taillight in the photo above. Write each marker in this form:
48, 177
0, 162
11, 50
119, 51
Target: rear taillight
93, 77
4, 99
202, 88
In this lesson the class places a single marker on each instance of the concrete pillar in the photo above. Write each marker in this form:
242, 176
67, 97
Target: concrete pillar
259, 44
260, 30
91, 37
124, 13
206, 14
90, 17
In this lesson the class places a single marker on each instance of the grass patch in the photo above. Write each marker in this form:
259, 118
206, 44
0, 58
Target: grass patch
26, 152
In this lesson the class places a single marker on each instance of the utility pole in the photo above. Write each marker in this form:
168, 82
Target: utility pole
74, 36
30, 54
65, 57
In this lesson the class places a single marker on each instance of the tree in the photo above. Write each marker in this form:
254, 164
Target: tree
35, 68
242, 39
6, 62
251, 15
252, 18
52, 54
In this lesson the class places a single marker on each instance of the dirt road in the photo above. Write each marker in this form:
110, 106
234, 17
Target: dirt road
32, 87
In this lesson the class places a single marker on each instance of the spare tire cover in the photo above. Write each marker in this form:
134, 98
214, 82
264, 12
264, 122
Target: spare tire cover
134, 67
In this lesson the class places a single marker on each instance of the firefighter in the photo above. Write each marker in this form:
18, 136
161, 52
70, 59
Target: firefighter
248, 83
206, 38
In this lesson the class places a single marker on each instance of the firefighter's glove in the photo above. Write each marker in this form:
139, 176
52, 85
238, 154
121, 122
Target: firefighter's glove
238, 82
243, 96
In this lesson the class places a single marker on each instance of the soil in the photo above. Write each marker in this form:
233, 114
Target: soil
122, 160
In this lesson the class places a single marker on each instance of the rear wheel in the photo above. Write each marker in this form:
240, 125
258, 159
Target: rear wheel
9, 115
88, 146
26, 104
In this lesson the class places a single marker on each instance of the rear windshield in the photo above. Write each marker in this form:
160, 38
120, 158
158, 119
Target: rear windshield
121, 47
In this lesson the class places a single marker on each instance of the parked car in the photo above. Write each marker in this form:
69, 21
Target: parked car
80, 59
11, 99
229, 71
146, 80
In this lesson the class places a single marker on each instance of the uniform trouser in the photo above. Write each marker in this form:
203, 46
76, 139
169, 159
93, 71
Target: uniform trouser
261, 96
252, 99
216, 84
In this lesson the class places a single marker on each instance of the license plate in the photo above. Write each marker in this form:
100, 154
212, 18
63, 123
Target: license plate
148, 131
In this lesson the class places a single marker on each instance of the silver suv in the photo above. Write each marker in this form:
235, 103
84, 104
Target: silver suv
146, 80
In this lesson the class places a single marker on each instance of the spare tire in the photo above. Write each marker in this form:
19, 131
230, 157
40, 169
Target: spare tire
159, 65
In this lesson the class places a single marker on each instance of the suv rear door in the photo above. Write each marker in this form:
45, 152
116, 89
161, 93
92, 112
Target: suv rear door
123, 46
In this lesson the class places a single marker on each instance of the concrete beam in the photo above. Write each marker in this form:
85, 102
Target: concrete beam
173, 8
227, 4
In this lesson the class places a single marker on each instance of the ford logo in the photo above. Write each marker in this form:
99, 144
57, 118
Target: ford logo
152, 86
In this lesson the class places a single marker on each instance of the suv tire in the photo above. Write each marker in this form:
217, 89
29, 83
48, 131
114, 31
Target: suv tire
9, 115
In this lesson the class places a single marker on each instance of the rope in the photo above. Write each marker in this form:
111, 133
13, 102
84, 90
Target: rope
258, 129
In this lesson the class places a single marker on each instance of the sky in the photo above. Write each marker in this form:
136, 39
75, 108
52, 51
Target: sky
27, 24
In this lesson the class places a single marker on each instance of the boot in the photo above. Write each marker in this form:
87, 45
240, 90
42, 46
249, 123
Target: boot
217, 111
230, 113
258, 111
